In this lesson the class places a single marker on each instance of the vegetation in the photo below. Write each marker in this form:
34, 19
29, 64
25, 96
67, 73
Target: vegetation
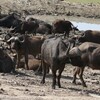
84, 1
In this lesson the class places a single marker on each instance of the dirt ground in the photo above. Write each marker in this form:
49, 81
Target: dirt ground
26, 85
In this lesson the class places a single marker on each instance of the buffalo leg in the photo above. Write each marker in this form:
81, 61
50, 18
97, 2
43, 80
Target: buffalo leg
81, 76
54, 78
76, 70
18, 60
47, 71
26, 61
13, 70
44, 72
59, 76
66, 34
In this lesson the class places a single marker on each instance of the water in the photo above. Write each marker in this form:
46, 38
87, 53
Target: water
87, 26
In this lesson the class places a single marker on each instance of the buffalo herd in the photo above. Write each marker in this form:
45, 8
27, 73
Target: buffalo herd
37, 45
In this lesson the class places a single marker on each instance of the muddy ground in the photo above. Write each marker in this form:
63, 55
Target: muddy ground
51, 7
26, 85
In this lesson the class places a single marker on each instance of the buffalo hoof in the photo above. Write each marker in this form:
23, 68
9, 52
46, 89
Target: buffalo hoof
53, 87
84, 85
42, 82
74, 82
14, 71
59, 86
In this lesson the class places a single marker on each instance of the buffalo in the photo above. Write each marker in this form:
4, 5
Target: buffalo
35, 19
26, 27
81, 56
54, 54
63, 26
25, 45
10, 21
44, 27
7, 64
90, 36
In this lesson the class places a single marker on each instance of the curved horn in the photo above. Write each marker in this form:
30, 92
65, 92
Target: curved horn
11, 39
11, 28
21, 41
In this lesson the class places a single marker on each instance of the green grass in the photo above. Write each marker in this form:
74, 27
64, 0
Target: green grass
84, 1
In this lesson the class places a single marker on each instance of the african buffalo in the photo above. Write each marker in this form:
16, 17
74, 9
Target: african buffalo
7, 63
44, 27
25, 45
26, 27
90, 36
54, 54
82, 56
10, 21
62, 26
35, 19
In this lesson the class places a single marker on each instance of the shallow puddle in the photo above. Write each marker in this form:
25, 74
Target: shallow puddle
87, 26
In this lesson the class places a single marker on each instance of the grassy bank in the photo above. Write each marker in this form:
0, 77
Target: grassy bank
84, 1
